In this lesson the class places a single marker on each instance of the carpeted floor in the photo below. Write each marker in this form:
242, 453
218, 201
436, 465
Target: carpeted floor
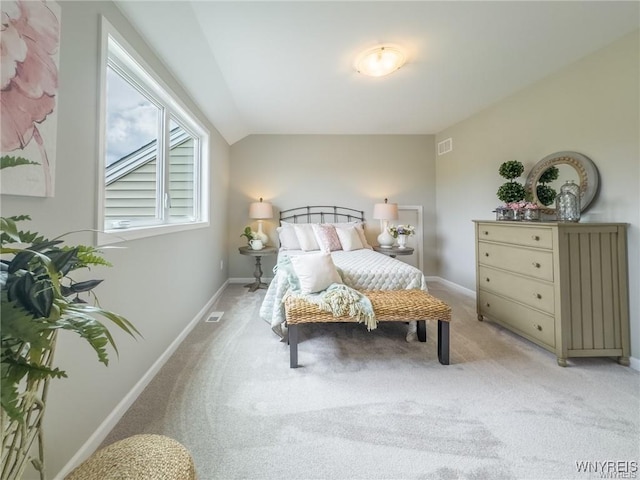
369, 405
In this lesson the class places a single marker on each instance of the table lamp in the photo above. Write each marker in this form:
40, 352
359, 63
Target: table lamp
260, 211
385, 212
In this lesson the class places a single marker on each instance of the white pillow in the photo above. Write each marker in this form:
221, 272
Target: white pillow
288, 237
306, 237
349, 238
359, 228
315, 271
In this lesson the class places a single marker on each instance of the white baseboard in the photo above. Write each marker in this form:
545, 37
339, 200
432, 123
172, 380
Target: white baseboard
634, 363
96, 439
248, 279
455, 286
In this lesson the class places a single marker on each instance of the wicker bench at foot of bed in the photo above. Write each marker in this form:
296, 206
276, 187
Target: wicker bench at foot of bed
388, 305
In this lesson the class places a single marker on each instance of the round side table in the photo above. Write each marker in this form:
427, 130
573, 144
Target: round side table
393, 251
257, 272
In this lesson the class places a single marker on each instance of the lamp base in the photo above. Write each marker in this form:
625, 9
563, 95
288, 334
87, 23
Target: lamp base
260, 235
385, 239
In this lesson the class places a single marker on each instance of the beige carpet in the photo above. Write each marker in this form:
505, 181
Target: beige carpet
368, 405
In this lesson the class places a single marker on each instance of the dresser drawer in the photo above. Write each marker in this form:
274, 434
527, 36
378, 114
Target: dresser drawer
534, 293
523, 235
529, 322
534, 263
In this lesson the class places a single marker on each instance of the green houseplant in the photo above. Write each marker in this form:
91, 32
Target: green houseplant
248, 234
39, 298
511, 191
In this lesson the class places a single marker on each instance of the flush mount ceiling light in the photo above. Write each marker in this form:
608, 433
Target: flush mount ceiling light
380, 61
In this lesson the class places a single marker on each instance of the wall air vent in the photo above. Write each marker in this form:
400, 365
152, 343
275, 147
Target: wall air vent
214, 317
445, 146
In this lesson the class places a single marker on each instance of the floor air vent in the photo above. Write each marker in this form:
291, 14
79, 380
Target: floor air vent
214, 317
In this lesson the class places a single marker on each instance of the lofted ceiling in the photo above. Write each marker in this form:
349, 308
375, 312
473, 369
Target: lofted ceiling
287, 67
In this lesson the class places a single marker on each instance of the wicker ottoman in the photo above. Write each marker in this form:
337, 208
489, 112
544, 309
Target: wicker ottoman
140, 457
388, 305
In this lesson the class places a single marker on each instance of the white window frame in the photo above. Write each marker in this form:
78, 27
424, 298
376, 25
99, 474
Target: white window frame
132, 63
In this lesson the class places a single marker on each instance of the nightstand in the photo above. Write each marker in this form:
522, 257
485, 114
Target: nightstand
258, 270
393, 251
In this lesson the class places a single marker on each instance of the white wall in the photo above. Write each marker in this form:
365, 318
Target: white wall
159, 283
353, 171
591, 107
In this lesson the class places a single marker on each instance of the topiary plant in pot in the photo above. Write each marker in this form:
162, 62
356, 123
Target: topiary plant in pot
39, 298
511, 191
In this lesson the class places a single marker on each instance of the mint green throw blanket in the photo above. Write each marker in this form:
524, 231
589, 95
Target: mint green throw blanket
338, 299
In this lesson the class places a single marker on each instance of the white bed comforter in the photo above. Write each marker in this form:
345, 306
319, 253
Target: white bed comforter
360, 269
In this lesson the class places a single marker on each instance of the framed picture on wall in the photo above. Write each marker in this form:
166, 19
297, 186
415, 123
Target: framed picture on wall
30, 60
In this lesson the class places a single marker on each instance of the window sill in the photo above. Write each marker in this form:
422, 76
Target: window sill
109, 237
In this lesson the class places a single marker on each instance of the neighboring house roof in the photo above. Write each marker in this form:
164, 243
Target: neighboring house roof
142, 156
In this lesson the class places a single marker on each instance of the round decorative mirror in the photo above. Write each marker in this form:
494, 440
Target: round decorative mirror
546, 177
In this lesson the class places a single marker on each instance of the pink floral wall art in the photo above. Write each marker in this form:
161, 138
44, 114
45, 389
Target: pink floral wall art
30, 39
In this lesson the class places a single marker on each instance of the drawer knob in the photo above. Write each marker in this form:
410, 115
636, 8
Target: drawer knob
538, 296
486, 254
535, 237
488, 279
536, 264
486, 232
539, 327
488, 304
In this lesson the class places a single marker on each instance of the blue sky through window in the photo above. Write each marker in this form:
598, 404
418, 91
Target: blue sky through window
132, 120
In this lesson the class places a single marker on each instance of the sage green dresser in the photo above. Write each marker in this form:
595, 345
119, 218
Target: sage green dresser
561, 285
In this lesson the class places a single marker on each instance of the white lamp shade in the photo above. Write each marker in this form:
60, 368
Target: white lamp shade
385, 211
260, 210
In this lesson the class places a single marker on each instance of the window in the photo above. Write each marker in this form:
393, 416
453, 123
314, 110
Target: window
153, 151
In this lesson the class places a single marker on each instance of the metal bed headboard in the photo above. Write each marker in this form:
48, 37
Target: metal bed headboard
321, 214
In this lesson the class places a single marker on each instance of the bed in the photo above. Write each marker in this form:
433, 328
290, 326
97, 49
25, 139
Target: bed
340, 231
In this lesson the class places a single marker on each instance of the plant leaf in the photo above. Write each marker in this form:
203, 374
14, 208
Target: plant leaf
93, 331
64, 260
11, 234
119, 320
9, 393
41, 297
10, 229
19, 290
84, 286
14, 326
20, 261
24, 256
90, 256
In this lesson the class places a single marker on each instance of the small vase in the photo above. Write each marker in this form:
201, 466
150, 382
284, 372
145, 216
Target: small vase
530, 214
504, 213
402, 241
517, 213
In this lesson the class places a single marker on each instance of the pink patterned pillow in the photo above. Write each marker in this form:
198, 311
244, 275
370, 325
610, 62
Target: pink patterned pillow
327, 237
